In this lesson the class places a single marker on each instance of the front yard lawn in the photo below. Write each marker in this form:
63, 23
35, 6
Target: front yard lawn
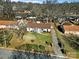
37, 41
34, 40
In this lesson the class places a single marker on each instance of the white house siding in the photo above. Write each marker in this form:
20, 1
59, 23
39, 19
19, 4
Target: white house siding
49, 30
2, 26
45, 30
28, 29
9, 26
38, 30
35, 30
72, 32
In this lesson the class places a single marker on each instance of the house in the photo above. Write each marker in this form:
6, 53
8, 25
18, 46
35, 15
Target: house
38, 27
23, 11
69, 29
8, 24
31, 26
35, 26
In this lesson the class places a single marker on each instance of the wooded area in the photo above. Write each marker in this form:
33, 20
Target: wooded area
47, 9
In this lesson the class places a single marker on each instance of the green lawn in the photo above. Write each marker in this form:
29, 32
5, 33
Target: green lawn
77, 53
33, 39
68, 49
31, 47
73, 41
43, 38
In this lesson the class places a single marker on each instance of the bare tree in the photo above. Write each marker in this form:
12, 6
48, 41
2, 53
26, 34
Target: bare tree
8, 13
22, 28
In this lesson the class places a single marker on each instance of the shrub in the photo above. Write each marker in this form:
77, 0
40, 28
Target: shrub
29, 47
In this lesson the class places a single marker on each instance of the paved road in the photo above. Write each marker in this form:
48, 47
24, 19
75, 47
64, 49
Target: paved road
55, 42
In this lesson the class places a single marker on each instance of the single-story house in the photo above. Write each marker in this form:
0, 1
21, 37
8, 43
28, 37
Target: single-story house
69, 29
31, 26
38, 27
8, 24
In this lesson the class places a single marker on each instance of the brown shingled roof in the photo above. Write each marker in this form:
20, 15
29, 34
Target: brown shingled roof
39, 25
71, 28
4, 22
29, 24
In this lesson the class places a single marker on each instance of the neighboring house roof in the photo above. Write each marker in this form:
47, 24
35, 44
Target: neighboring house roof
29, 24
71, 28
39, 25
11, 24
3, 22
23, 11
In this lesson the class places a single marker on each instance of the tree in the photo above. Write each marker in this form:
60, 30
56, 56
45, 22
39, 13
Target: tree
8, 13
5, 38
1, 2
22, 27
